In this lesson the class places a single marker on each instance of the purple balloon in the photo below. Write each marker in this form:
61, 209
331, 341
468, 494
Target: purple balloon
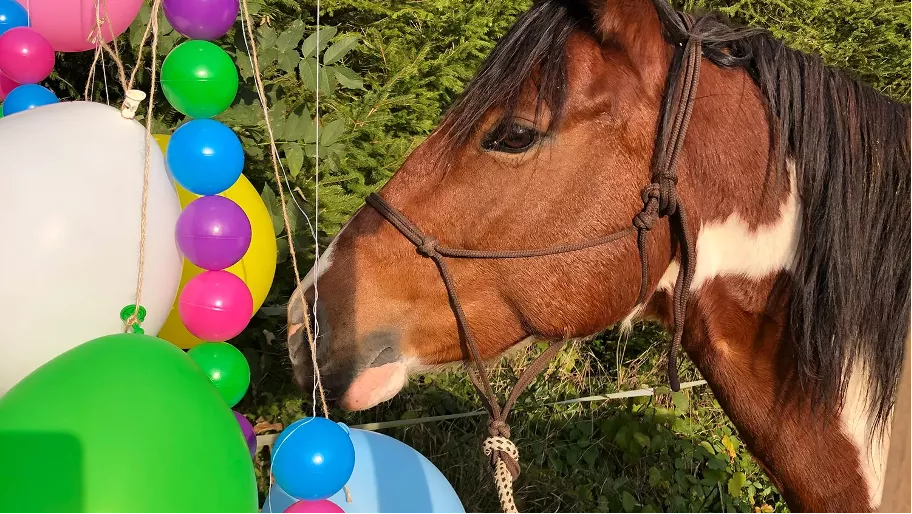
201, 19
213, 232
247, 429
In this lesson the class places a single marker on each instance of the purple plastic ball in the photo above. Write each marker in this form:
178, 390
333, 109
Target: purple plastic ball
201, 19
213, 232
247, 429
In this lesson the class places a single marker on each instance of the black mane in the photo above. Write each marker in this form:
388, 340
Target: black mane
850, 145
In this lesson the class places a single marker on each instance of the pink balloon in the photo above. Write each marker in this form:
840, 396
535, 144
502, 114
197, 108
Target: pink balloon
67, 24
319, 506
6, 85
215, 305
25, 55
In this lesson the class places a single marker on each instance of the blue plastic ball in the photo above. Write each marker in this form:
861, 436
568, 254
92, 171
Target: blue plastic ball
27, 96
12, 15
313, 458
205, 157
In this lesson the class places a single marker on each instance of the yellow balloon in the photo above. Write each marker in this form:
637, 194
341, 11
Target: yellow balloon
256, 268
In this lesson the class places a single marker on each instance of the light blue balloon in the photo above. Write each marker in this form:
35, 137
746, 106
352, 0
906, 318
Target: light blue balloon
389, 476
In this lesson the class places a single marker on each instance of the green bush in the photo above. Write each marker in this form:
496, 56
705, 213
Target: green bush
389, 69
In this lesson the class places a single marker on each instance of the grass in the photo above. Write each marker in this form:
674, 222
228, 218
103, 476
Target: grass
669, 452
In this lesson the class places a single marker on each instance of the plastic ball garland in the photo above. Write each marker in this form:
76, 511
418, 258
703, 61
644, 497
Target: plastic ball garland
205, 157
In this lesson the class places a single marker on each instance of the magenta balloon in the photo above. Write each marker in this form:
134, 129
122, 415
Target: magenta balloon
215, 305
247, 430
6, 85
213, 232
201, 19
26, 56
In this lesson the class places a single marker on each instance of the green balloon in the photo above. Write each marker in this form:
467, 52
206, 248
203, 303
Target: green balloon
199, 79
122, 423
226, 366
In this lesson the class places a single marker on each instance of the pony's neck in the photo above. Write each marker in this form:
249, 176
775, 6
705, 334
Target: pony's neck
737, 334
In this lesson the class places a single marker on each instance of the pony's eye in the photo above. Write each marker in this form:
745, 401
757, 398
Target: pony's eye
511, 138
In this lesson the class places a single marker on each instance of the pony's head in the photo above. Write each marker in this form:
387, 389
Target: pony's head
550, 143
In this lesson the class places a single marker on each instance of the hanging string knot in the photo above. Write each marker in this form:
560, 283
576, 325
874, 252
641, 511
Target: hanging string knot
428, 246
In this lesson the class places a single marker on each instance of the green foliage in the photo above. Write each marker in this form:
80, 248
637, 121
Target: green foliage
387, 71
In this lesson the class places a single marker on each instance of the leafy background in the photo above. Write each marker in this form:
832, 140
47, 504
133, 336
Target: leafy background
388, 70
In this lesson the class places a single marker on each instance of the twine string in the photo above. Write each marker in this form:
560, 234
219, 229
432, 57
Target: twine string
274, 151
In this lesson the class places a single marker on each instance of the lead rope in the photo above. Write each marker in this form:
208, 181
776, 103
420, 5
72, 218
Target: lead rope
659, 200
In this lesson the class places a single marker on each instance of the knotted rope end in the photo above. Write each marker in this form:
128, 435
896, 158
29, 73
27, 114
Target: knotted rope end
505, 458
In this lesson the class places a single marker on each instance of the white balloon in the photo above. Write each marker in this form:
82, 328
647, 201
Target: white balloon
71, 181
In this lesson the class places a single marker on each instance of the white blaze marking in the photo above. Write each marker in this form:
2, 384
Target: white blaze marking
323, 264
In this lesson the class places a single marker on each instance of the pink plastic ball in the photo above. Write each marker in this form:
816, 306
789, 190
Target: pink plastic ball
215, 305
26, 56
324, 506
6, 85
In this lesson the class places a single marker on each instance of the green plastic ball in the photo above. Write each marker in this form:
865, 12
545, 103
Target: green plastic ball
199, 79
226, 366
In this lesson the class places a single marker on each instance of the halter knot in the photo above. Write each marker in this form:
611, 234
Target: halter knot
652, 198
497, 428
428, 247
668, 199
650, 192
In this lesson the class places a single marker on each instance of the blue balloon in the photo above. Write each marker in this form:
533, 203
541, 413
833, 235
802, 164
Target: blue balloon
313, 458
205, 157
389, 476
12, 15
27, 96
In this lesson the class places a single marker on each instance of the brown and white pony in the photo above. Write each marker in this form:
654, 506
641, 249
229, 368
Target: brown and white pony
796, 181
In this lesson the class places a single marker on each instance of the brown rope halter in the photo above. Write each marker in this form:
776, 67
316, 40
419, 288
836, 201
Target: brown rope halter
659, 200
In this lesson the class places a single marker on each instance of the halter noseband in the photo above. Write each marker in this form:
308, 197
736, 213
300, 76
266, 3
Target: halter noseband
660, 200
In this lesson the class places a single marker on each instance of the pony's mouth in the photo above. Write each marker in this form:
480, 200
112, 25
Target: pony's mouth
375, 385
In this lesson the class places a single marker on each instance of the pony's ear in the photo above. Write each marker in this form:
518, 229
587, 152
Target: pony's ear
634, 27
